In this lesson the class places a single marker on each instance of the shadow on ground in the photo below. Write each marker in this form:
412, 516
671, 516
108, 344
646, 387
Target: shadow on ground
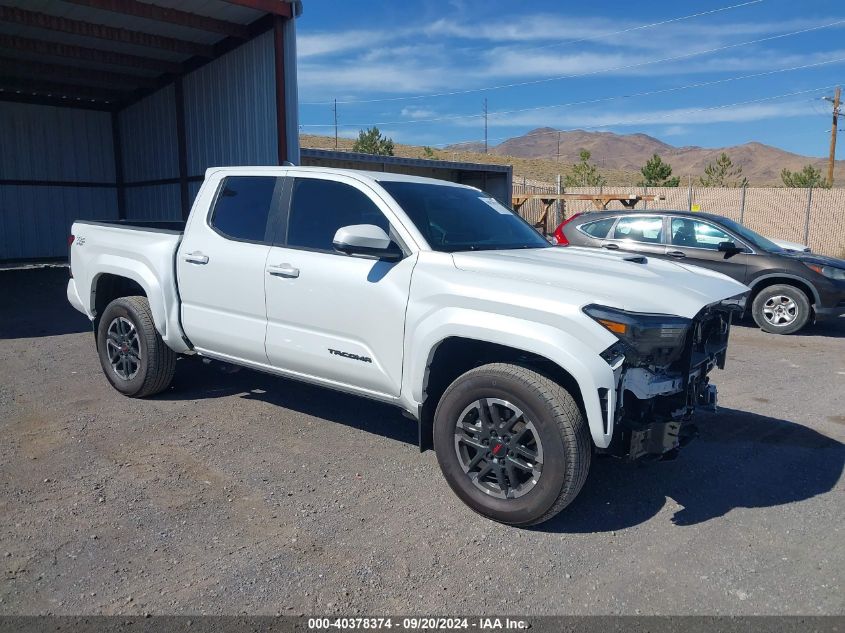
34, 304
199, 380
833, 327
741, 460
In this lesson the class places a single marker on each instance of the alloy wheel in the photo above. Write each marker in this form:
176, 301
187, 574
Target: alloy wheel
780, 310
498, 448
124, 348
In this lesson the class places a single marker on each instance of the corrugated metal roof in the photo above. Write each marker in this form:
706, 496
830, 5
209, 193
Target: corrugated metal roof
17, 25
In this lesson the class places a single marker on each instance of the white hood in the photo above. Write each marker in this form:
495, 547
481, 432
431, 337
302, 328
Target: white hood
657, 286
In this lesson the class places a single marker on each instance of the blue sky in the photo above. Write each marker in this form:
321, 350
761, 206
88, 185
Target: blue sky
421, 69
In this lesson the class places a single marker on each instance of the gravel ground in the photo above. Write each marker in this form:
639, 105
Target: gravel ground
243, 493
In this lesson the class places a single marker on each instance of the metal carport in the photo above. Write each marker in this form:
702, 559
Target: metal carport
494, 179
113, 109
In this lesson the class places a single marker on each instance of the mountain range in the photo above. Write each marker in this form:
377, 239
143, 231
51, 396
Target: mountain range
761, 164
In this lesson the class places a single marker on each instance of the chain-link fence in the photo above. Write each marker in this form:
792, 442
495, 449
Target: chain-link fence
815, 217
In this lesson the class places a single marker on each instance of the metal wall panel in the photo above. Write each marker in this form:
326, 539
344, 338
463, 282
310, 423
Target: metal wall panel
48, 143
193, 190
230, 109
148, 138
156, 202
35, 221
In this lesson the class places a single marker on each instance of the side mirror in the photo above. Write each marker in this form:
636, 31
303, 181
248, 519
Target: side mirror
366, 240
729, 247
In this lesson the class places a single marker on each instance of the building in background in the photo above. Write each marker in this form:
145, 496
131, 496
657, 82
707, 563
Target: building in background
494, 179
114, 109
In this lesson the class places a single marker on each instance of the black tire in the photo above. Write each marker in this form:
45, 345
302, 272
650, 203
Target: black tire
781, 309
150, 364
564, 442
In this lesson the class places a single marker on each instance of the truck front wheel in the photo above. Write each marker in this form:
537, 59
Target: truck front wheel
135, 359
511, 443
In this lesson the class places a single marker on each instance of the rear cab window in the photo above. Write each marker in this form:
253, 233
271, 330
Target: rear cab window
243, 206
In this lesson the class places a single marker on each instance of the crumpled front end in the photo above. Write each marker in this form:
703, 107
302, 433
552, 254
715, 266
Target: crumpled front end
659, 388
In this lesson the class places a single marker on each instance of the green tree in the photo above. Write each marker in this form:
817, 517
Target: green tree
584, 173
722, 173
656, 173
372, 142
809, 176
428, 152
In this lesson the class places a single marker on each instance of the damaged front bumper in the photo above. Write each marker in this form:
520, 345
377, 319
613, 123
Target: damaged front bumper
655, 405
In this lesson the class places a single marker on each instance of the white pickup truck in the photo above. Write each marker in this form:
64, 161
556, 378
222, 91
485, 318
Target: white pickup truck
518, 359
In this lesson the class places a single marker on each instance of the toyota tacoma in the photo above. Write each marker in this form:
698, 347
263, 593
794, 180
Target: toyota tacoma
520, 361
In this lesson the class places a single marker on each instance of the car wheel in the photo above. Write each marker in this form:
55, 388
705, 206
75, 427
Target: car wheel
512, 443
781, 309
134, 358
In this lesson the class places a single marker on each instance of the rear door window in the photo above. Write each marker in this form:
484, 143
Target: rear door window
638, 228
599, 228
242, 209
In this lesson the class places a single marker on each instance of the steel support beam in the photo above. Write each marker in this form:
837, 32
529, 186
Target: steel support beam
171, 16
10, 67
70, 51
276, 7
118, 165
34, 19
182, 147
281, 101
59, 90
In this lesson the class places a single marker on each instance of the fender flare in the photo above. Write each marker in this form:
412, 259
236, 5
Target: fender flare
586, 367
756, 282
141, 274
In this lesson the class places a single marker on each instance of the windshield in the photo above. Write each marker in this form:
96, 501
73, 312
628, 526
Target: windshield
753, 237
461, 219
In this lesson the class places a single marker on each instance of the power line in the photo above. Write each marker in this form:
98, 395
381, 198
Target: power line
587, 74
648, 120
643, 26
648, 93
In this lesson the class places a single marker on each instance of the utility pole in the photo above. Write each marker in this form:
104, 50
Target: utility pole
837, 95
485, 125
335, 123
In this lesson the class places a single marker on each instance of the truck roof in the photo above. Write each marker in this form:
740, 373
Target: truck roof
377, 176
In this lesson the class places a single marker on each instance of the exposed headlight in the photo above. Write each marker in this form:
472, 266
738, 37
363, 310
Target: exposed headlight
831, 272
653, 338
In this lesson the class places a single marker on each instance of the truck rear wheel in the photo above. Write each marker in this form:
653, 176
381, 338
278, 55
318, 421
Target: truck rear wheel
512, 443
135, 359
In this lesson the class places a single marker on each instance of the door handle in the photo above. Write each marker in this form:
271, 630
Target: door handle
676, 254
611, 247
283, 270
196, 258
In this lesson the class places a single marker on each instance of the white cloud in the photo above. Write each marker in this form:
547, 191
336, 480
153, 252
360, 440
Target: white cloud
676, 116
675, 130
412, 112
328, 79
330, 43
